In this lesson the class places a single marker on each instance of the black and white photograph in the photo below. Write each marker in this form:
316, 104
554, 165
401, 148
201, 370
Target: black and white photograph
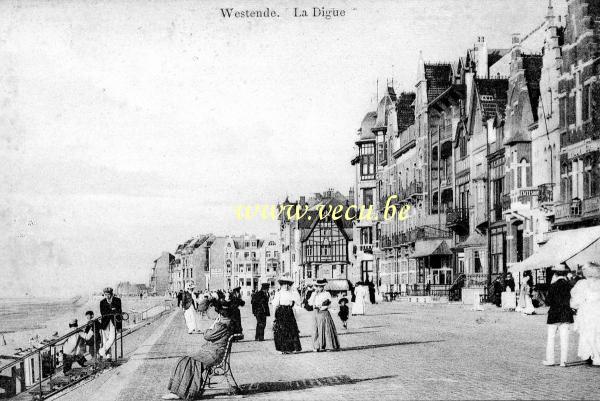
286, 200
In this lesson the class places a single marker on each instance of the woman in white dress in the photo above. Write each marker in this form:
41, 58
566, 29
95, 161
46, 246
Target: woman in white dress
585, 297
360, 293
285, 328
525, 305
325, 335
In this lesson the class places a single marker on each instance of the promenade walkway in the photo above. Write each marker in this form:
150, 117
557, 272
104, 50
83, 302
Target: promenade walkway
397, 351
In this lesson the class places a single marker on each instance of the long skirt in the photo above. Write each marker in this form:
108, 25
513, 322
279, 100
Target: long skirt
325, 334
285, 330
186, 379
190, 319
358, 307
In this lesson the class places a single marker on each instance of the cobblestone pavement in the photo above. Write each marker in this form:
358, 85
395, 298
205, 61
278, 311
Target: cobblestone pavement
397, 351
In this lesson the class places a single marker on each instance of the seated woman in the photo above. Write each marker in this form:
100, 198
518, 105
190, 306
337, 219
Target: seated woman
186, 379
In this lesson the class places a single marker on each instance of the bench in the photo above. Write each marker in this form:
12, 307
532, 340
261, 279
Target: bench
222, 369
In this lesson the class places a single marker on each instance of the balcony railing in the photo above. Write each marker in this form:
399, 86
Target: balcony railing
526, 195
457, 216
545, 193
431, 232
568, 210
415, 188
591, 206
476, 280
366, 248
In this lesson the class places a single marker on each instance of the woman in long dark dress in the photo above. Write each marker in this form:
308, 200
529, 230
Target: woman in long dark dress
285, 328
186, 379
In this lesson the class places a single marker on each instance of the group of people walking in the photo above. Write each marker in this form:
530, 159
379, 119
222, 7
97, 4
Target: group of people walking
575, 305
186, 379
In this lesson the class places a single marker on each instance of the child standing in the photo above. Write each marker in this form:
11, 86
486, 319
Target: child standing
344, 311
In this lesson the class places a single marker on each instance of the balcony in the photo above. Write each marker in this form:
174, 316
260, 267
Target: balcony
545, 193
366, 248
430, 232
526, 195
415, 189
591, 206
458, 219
568, 210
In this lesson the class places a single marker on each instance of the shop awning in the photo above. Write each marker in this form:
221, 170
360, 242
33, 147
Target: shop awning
431, 247
473, 240
337, 285
573, 247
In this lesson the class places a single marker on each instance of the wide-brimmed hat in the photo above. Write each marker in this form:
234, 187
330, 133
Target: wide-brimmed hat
561, 267
223, 308
285, 279
343, 299
321, 282
265, 285
236, 289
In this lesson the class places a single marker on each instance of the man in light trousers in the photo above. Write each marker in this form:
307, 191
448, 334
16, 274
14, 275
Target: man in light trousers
560, 315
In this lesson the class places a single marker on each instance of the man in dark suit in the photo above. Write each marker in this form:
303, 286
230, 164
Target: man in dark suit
560, 314
111, 322
260, 309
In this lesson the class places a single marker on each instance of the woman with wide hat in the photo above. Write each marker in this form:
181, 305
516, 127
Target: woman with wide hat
285, 328
186, 379
325, 335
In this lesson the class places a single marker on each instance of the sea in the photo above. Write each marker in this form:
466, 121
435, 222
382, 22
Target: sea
25, 320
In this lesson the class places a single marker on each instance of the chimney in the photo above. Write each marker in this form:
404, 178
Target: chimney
516, 39
481, 52
302, 200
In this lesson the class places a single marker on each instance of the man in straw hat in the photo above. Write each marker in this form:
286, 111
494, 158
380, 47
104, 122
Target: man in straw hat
260, 309
560, 314
110, 309
189, 307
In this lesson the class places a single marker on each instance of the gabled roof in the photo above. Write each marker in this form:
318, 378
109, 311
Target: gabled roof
439, 78
532, 64
382, 113
405, 110
492, 96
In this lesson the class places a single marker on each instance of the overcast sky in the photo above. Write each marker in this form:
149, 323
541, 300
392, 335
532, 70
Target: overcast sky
128, 127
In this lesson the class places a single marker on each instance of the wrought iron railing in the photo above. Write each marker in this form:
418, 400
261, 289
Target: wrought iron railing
457, 216
34, 372
545, 193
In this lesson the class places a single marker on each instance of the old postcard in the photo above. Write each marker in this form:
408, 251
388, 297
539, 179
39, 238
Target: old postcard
295, 200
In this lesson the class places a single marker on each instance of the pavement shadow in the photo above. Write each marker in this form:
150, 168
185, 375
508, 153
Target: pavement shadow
373, 346
270, 387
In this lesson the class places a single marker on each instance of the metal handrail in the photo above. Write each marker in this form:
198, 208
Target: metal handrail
55, 343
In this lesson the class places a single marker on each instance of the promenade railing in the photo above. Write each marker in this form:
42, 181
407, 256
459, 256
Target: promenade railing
34, 371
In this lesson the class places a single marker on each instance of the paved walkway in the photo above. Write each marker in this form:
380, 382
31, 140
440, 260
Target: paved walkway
397, 351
